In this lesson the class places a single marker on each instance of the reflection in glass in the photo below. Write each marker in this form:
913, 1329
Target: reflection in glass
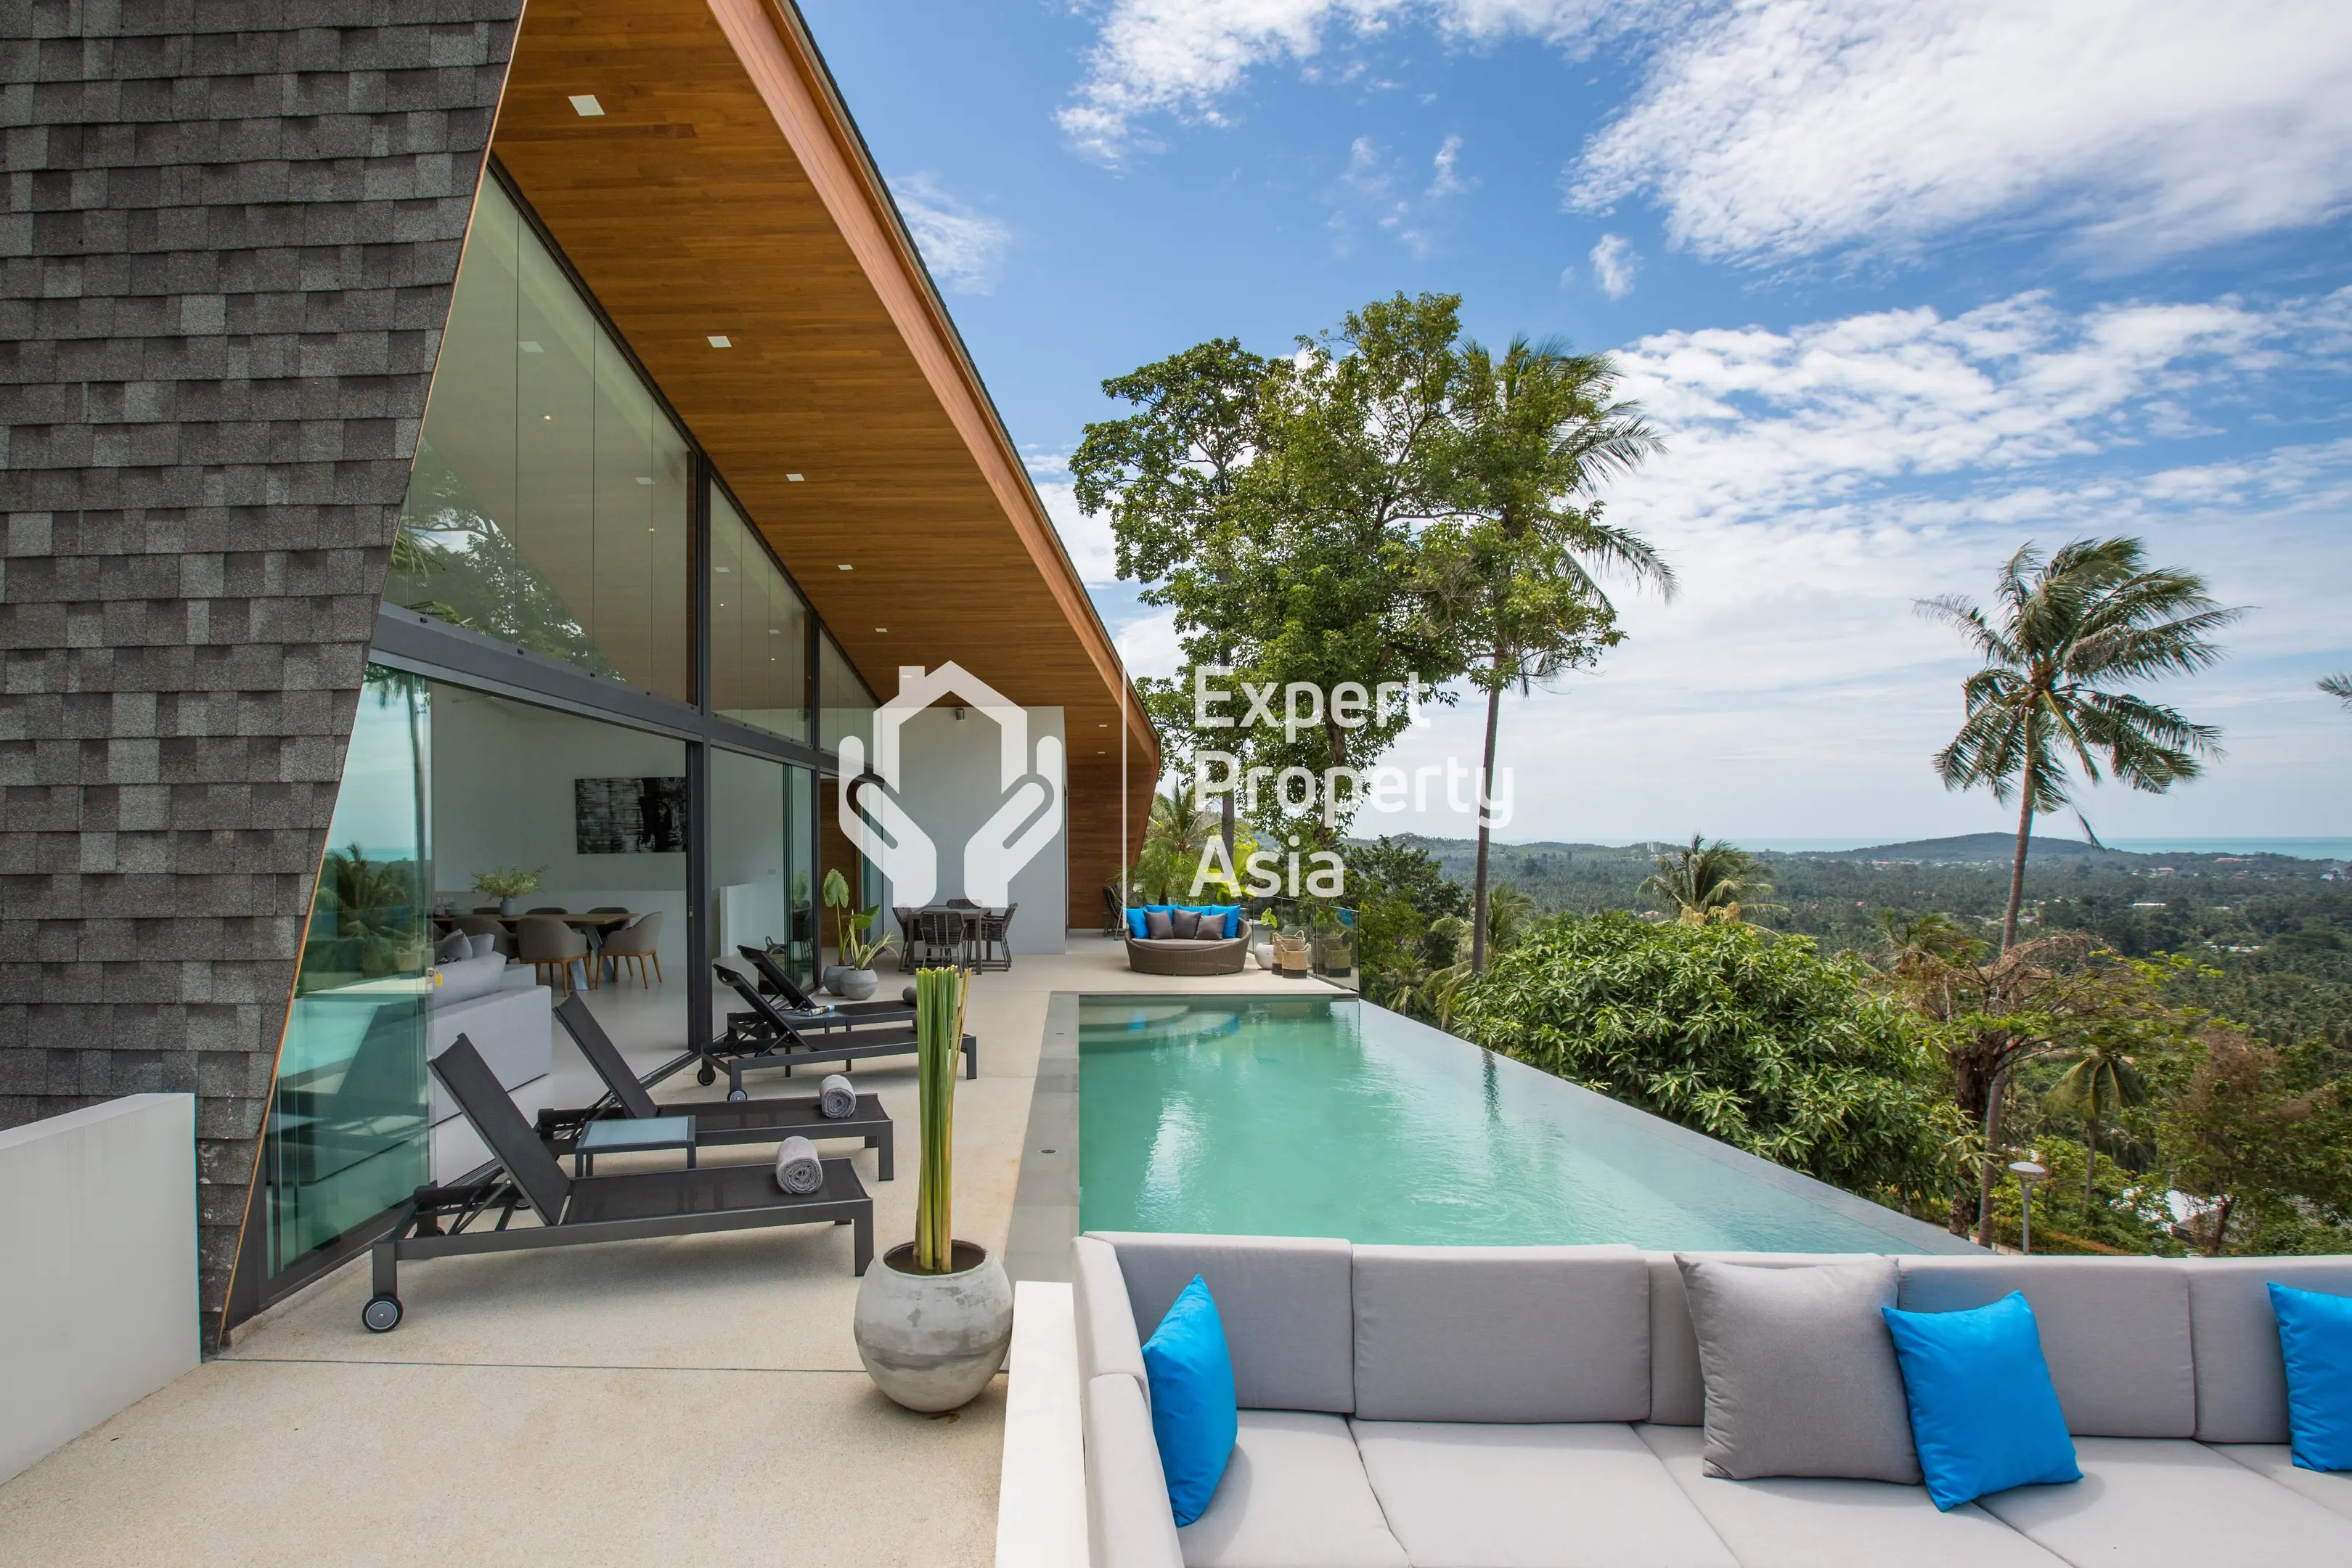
548, 505
761, 882
758, 630
346, 1137
847, 707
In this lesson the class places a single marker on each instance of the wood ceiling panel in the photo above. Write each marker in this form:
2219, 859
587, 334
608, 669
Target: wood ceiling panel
723, 191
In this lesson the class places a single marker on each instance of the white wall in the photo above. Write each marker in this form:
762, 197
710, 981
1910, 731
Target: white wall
949, 786
97, 1288
502, 777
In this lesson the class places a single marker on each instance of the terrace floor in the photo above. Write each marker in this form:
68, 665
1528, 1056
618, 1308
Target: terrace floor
681, 1400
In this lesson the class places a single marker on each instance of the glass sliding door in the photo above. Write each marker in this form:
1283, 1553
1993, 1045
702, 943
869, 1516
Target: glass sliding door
346, 1137
763, 880
758, 630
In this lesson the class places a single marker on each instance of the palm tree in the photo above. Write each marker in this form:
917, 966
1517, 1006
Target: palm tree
2338, 686
1175, 831
1510, 582
2069, 630
1709, 882
2102, 1074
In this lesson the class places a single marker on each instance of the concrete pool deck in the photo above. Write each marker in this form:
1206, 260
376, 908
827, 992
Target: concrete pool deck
683, 1400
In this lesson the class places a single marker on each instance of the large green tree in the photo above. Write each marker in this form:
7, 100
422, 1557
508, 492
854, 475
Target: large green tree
1709, 882
1511, 578
2064, 636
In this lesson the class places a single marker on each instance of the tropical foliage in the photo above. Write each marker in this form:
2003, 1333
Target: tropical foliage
1709, 882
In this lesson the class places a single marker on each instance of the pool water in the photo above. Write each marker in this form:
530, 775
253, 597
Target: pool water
1312, 1117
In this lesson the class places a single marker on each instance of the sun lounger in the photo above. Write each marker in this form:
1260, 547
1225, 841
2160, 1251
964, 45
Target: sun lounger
738, 1121
806, 1012
578, 1211
771, 1040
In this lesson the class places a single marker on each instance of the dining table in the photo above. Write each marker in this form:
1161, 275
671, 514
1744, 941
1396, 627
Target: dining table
968, 917
594, 925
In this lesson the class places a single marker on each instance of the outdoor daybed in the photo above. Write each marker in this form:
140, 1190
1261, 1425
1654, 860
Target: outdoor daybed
1188, 955
1541, 1407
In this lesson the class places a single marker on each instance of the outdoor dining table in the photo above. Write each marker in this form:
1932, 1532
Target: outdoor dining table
969, 919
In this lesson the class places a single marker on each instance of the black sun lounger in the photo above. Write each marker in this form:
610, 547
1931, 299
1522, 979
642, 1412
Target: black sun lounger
807, 1014
772, 1041
738, 1121
575, 1210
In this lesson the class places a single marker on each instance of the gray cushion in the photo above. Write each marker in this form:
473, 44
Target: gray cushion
2241, 1378
1284, 1300
1158, 924
486, 945
1820, 1523
1129, 1524
2156, 1504
1800, 1373
453, 947
2331, 1490
1582, 1496
1107, 1338
1184, 925
1502, 1334
1678, 1396
2113, 1329
1293, 1495
466, 978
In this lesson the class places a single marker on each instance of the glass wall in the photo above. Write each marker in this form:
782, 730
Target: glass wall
758, 630
549, 502
847, 706
347, 1132
763, 880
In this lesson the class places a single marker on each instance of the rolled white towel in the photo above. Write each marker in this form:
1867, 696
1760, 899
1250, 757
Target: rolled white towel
798, 1170
835, 1100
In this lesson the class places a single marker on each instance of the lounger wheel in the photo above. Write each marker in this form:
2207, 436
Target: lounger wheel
738, 1094
706, 1075
382, 1314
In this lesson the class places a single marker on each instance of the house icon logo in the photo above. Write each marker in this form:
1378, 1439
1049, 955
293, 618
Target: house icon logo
874, 817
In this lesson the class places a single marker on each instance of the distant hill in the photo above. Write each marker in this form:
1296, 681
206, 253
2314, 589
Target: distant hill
1973, 848
1962, 850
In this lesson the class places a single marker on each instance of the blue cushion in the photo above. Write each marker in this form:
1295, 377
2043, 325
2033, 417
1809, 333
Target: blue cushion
2315, 1337
1231, 915
1984, 1415
1135, 924
1193, 1414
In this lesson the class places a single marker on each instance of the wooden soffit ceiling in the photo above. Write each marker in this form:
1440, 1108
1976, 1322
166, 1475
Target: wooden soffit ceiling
724, 192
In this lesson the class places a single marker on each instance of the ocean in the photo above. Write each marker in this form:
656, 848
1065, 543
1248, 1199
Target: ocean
2300, 848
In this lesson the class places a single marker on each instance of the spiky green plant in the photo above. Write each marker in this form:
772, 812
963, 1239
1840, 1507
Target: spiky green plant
939, 1031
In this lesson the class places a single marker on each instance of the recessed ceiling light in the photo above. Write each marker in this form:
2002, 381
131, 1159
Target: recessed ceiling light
1098, 726
882, 629
531, 348
792, 479
719, 341
723, 571
846, 566
585, 106
645, 479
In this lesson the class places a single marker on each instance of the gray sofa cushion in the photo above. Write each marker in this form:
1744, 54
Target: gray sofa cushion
1677, 1394
1583, 1496
1129, 1524
2153, 1504
463, 979
1818, 1523
1108, 1340
2331, 1490
2113, 1329
1293, 1495
1284, 1300
1501, 1333
1800, 1373
2241, 1378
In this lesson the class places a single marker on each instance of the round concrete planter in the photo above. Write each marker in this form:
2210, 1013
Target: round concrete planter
856, 984
932, 1341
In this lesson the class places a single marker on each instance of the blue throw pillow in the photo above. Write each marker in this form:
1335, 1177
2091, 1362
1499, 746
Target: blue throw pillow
2315, 1337
1135, 924
1984, 1415
1194, 1415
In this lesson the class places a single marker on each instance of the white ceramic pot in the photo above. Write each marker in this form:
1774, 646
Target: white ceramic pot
932, 1341
856, 984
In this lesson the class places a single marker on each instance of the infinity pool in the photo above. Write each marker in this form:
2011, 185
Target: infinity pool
1313, 1117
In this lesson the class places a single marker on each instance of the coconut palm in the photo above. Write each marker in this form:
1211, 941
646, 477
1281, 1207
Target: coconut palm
2338, 686
2065, 633
1709, 882
2102, 1076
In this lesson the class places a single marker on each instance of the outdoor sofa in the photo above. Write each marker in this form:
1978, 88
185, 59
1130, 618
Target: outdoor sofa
1188, 955
1540, 1407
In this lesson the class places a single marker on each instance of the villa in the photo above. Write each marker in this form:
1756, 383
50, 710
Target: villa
486, 488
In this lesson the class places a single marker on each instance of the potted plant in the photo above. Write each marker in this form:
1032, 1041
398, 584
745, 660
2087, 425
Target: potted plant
1262, 934
853, 977
508, 884
934, 1315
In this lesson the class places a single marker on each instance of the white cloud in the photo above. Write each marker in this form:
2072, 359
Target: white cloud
1148, 646
1446, 176
1370, 192
1612, 265
1092, 547
962, 248
2150, 126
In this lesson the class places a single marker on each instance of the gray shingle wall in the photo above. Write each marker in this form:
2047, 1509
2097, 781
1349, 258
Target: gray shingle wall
225, 255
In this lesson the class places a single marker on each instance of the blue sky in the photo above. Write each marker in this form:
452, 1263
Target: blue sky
1906, 285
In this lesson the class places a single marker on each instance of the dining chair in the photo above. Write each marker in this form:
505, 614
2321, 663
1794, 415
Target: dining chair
636, 943
994, 949
542, 940
942, 933
489, 925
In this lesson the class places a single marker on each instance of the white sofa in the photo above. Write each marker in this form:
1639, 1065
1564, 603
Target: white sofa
1540, 1407
509, 1023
